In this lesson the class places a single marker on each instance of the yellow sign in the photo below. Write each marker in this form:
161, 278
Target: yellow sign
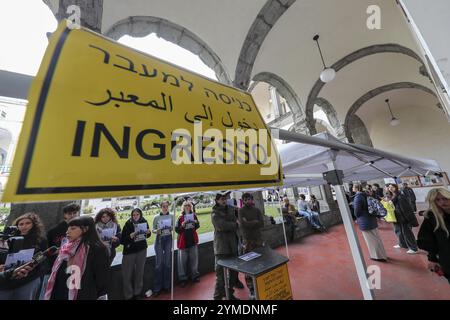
275, 284
105, 120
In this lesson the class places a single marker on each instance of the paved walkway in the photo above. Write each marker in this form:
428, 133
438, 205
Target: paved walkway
321, 267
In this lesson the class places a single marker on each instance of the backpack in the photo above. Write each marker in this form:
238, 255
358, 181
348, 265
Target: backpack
375, 208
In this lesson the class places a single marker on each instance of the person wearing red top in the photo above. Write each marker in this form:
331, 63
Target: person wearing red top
186, 227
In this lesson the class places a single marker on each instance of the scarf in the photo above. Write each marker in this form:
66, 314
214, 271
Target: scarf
75, 253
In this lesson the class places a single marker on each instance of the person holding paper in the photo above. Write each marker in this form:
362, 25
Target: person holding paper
186, 227
162, 226
80, 271
134, 235
251, 221
27, 288
108, 230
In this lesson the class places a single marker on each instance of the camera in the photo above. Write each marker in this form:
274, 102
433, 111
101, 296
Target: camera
10, 242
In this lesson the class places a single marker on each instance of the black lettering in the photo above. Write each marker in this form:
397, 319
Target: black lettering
161, 147
100, 129
78, 141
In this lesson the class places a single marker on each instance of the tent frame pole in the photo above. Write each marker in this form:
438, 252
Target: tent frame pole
357, 254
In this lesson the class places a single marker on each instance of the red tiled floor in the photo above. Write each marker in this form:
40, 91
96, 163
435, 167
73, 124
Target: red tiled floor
321, 267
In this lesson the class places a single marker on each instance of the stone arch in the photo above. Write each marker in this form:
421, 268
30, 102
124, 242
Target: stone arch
325, 124
377, 91
345, 61
264, 22
332, 117
357, 132
140, 26
283, 88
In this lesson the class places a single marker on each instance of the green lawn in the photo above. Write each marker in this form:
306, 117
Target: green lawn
203, 214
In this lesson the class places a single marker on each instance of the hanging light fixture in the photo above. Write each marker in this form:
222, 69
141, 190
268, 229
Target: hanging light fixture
394, 121
327, 74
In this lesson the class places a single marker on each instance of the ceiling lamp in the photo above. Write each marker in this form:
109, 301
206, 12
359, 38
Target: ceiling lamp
328, 74
394, 121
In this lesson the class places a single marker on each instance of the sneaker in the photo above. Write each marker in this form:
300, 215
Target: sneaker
397, 246
412, 251
196, 280
149, 293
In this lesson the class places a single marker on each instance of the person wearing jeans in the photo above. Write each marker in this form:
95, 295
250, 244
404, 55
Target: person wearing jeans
186, 227
162, 227
305, 211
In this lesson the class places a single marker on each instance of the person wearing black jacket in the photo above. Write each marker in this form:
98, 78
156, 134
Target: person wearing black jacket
12, 273
83, 255
368, 225
27, 288
134, 254
406, 219
434, 235
56, 234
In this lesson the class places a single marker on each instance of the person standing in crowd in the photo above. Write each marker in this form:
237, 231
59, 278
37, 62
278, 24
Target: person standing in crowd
251, 222
231, 202
368, 225
406, 219
83, 254
314, 204
186, 227
289, 215
379, 194
55, 235
27, 288
134, 239
312, 216
389, 206
225, 245
162, 227
108, 230
434, 235
409, 193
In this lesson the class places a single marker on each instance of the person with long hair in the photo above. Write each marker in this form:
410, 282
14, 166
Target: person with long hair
186, 227
406, 220
162, 227
368, 225
108, 230
27, 288
134, 239
434, 235
80, 271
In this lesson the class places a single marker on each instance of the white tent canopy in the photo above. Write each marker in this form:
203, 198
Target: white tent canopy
303, 164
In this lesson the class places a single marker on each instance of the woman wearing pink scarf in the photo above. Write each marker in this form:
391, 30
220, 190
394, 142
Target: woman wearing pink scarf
80, 271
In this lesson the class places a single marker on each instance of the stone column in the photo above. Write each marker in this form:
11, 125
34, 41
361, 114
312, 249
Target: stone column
328, 196
49, 212
259, 201
91, 18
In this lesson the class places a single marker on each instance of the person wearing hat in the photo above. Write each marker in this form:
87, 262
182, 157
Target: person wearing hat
251, 222
225, 244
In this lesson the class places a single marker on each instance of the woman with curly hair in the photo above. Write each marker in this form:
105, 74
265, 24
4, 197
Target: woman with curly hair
108, 230
434, 235
27, 288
